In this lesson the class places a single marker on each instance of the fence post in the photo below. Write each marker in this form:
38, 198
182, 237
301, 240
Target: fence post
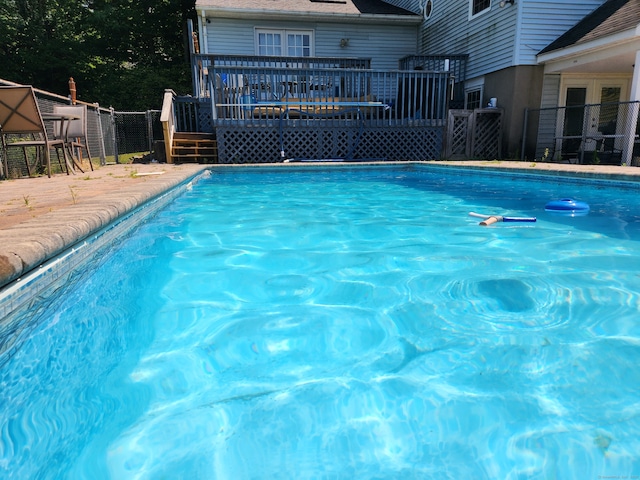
115, 134
149, 119
103, 153
586, 127
630, 134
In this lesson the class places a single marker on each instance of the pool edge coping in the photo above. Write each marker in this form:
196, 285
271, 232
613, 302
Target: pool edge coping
28, 246
35, 247
596, 172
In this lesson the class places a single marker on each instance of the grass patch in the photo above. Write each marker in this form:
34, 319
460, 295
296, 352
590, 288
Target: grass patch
124, 158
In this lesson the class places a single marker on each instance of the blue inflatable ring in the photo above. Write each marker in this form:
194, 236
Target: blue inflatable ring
568, 206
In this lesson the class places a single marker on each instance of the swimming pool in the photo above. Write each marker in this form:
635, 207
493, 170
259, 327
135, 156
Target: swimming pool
343, 322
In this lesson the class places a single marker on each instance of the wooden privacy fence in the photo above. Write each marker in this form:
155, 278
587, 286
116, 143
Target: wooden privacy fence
474, 134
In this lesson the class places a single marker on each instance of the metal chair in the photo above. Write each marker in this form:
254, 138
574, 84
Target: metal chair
21, 126
75, 136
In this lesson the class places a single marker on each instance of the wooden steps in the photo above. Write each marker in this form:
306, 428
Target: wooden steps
194, 148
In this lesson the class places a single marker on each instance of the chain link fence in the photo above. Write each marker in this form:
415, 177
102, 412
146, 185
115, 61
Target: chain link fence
113, 136
606, 133
135, 132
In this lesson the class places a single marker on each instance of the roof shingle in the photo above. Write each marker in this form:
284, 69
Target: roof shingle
610, 17
347, 7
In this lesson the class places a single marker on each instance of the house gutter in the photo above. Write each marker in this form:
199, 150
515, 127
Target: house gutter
290, 15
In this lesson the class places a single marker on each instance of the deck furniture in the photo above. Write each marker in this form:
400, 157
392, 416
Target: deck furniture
22, 126
309, 107
75, 132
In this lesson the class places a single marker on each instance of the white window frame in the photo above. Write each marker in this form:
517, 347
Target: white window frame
466, 98
481, 12
284, 33
427, 9
593, 85
474, 85
265, 31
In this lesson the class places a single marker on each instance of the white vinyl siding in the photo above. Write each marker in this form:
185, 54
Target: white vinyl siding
543, 21
384, 44
548, 118
500, 37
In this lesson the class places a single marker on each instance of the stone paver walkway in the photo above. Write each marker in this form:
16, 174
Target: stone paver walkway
41, 217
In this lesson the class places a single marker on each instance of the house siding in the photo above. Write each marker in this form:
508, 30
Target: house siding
548, 118
544, 21
488, 39
385, 45
502, 37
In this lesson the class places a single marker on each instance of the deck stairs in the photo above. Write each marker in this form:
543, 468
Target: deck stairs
194, 148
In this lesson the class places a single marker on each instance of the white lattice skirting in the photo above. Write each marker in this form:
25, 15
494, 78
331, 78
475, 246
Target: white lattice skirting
264, 143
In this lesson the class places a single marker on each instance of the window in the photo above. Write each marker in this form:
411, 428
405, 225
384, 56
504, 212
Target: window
479, 6
269, 43
289, 43
472, 98
298, 45
428, 9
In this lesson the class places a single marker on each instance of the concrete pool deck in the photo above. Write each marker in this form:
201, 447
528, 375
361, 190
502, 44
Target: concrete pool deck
41, 217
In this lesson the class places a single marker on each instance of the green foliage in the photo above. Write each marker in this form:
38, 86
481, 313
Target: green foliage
121, 53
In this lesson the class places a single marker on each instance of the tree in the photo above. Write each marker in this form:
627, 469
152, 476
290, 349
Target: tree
121, 53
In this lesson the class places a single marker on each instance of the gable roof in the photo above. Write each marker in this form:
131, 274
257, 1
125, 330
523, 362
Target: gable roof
611, 17
338, 8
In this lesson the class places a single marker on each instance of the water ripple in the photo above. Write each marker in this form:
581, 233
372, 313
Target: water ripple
348, 325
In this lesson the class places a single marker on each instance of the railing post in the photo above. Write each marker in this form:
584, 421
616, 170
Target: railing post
213, 94
167, 118
149, 119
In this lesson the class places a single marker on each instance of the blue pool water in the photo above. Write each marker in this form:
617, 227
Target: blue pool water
343, 324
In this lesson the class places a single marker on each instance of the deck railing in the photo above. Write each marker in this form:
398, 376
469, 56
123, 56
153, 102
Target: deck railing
264, 114
201, 65
455, 64
264, 94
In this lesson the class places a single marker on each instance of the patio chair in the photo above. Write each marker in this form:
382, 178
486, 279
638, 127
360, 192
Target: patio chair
21, 126
236, 88
76, 131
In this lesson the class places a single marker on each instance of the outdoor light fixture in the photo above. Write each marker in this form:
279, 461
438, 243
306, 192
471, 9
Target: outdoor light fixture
344, 42
504, 2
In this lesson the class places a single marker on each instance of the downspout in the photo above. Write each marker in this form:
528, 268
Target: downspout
202, 26
204, 48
